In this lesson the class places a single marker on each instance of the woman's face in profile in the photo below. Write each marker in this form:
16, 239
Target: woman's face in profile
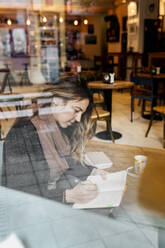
69, 112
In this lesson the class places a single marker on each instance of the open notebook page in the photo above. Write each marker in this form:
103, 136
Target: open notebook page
110, 191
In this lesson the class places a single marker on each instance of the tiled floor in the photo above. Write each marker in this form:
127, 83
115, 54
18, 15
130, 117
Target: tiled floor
133, 133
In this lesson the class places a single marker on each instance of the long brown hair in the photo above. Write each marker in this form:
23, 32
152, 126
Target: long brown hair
72, 88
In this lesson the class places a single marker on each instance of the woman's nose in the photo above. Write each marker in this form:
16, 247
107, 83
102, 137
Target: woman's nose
78, 117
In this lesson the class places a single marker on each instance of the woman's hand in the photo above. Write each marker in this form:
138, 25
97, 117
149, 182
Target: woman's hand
102, 173
81, 193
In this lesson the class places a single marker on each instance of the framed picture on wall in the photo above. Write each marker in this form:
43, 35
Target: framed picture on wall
90, 29
132, 28
90, 39
19, 42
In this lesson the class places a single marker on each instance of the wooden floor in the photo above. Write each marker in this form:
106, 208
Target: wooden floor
133, 133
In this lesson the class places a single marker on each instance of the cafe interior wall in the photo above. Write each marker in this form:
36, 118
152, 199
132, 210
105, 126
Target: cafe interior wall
162, 7
135, 36
146, 9
120, 10
135, 40
99, 30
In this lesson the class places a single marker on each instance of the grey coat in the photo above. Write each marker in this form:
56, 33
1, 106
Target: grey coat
25, 167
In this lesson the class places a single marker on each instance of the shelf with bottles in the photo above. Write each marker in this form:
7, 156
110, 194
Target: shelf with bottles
48, 32
34, 39
46, 42
49, 36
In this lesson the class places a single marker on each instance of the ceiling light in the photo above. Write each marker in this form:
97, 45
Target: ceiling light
9, 22
132, 9
85, 21
61, 19
28, 22
44, 19
75, 22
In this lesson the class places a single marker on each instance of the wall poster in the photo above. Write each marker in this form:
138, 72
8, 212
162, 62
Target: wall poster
19, 42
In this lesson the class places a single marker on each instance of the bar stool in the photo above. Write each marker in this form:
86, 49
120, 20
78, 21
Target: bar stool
8, 79
160, 110
98, 99
25, 77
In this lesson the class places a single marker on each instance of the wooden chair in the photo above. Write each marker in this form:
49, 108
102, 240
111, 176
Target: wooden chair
143, 90
159, 110
98, 99
99, 113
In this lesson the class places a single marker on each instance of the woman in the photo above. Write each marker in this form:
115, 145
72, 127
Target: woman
37, 152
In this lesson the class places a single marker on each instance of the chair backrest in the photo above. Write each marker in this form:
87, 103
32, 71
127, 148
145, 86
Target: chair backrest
140, 81
98, 98
146, 82
99, 113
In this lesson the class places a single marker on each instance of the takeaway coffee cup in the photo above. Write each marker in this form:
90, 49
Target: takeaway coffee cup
140, 163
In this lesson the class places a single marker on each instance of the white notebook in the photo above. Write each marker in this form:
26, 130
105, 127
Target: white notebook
110, 191
98, 159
